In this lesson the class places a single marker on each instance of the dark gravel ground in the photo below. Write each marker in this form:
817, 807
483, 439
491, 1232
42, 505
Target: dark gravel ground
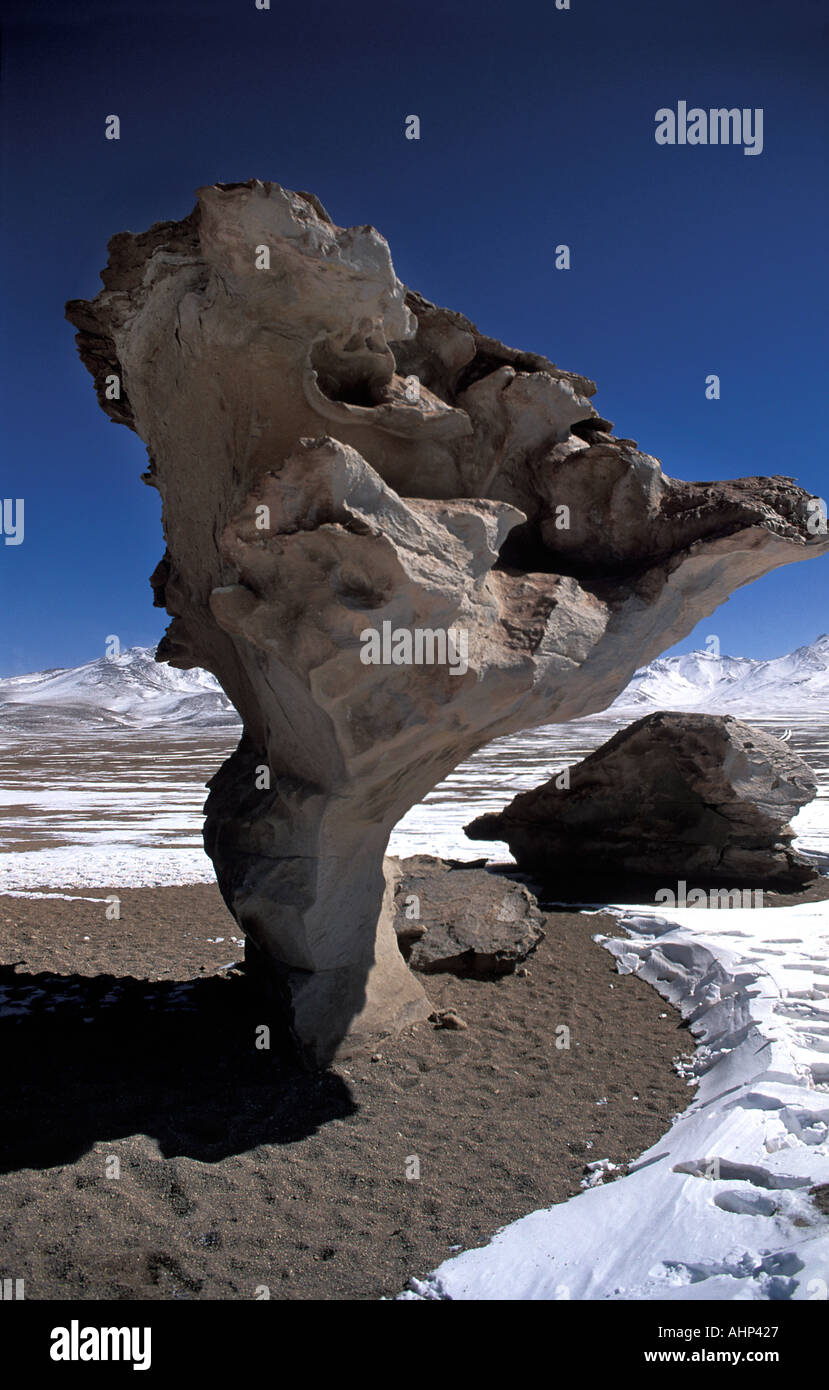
127, 1040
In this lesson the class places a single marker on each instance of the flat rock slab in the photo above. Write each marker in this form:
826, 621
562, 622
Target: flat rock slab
450, 917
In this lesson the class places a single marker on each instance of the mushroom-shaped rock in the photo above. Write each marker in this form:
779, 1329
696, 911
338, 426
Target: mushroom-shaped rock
391, 538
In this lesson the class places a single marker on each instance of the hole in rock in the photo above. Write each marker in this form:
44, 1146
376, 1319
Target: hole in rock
524, 549
356, 373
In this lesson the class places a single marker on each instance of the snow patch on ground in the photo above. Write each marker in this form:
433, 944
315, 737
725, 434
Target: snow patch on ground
94, 866
720, 1208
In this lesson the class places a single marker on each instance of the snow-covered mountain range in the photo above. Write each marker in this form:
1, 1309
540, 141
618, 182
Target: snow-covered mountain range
129, 691
797, 684
133, 691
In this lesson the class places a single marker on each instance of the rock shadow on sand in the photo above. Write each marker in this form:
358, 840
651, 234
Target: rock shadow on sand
90, 1059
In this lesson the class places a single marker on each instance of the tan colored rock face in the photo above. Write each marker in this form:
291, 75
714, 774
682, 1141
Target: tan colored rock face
335, 454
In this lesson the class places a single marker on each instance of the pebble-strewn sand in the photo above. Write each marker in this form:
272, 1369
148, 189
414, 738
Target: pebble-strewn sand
236, 1169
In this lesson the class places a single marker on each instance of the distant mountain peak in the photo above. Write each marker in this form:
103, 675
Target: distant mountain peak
133, 690
130, 689
699, 680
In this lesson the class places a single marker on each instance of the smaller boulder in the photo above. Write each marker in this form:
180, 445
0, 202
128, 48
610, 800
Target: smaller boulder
452, 917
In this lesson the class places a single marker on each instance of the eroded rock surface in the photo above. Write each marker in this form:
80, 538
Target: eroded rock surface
699, 798
456, 918
334, 453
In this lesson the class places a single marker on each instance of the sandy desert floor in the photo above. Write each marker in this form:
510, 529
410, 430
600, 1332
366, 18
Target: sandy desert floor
237, 1170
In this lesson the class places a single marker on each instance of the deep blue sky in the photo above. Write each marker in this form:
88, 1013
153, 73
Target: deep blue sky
537, 128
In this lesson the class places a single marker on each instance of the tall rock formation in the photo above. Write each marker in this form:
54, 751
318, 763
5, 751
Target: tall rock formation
343, 466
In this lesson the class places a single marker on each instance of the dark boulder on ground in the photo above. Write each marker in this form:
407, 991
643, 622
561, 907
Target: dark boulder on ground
461, 919
695, 797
